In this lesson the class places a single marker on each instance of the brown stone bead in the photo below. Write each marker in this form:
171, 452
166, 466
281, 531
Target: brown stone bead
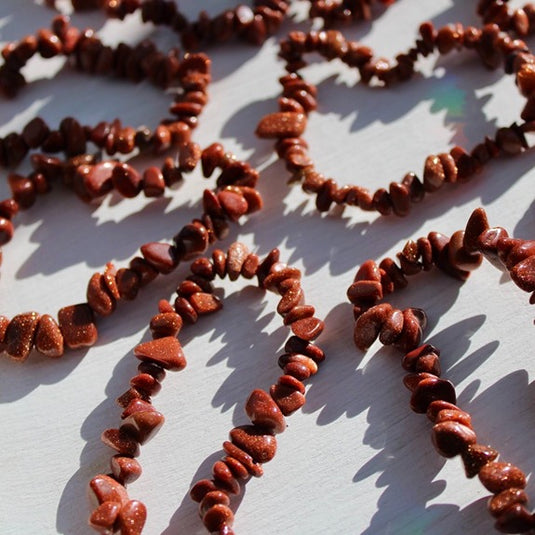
292, 296
368, 325
191, 240
515, 519
132, 518
287, 398
8, 208
414, 320
161, 256
525, 79
295, 358
434, 175
212, 498
153, 182
439, 405
126, 180
233, 204
125, 469
477, 456
120, 441
430, 389
392, 327
224, 478
146, 383
264, 412
365, 291
96, 179
165, 324
523, 274
23, 190
73, 133
142, 426
459, 257
35, 132
4, 322
425, 358
236, 255
299, 312
136, 404
259, 443
498, 476
308, 328
103, 488
184, 308
48, 337
205, 303
294, 344
19, 335
128, 283
6, 231
236, 467
77, 326
505, 499
454, 415
252, 467
132, 394
98, 297
152, 369
189, 156
48, 44
166, 352
452, 438
217, 516
103, 518
201, 489
250, 266
281, 124
513, 251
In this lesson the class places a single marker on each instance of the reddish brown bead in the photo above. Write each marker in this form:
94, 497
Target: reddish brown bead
19, 335
125, 469
264, 412
166, 352
48, 337
257, 442
132, 518
498, 476
217, 516
281, 124
121, 442
500, 502
103, 488
452, 438
165, 324
77, 326
142, 426
161, 256
103, 518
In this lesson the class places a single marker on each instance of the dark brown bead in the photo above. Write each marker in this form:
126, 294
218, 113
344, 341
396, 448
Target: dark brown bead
515, 519
19, 335
125, 469
103, 488
77, 326
218, 516
505, 499
477, 456
224, 478
281, 124
6, 231
429, 390
121, 442
244, 458
160, 256
165, 324
452, 438
128, 283
48, 337
287, 398
126, 180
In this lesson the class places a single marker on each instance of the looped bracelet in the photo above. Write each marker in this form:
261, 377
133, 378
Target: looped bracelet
250, 445
452, 433
299, 98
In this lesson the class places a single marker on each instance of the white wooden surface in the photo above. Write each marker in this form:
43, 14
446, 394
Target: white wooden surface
356, 459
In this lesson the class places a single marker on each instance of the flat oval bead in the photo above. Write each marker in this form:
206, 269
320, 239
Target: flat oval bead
308, 328
212, 498
255, 441
217, 516
224, 478
264, 412
244, 458
166, 352
498, 476
281, 124
48, 337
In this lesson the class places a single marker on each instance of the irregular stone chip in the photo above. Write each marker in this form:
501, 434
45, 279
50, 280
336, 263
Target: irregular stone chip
48, 337
166, 352
77, 326
281, 124
264, 412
